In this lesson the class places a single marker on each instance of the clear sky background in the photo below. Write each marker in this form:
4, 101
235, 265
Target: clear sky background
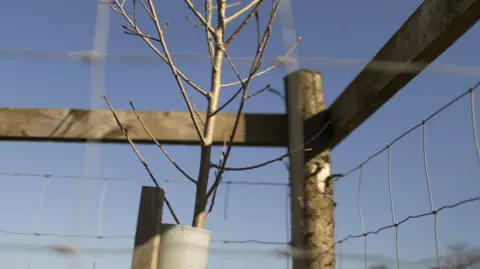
330, 29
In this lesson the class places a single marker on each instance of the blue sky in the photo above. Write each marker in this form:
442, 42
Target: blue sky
330, 29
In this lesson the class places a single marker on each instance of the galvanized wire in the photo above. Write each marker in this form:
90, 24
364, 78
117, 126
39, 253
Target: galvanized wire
148, 59
392, 207
422, 123
298, 252
99, 55
124, 179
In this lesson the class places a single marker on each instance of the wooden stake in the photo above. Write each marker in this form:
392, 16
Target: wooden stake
311, 190
147, 236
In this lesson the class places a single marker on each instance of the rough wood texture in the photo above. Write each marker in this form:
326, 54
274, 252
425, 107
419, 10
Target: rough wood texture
71, 125
296, 166
147, 236
430, 30
317, 203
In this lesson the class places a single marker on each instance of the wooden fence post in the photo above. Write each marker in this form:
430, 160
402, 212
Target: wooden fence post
147, 236
311, 192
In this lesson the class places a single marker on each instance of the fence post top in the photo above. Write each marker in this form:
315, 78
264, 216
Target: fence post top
303, 71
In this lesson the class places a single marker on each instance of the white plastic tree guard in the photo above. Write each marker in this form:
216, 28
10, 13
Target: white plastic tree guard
183, 247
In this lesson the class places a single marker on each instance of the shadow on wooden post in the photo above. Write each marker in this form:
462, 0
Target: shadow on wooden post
311, 190
147, 236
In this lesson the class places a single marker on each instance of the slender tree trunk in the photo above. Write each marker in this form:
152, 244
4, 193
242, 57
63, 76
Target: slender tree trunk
206, 150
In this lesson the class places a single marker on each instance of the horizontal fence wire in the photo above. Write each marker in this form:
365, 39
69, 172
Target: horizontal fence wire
99, 235
91, 57
288, 251
433, 211
76, 177
147, 59
67, 250
469, 91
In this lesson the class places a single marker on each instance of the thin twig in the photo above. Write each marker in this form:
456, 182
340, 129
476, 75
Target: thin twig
222, 159
129, 31
219, 173
199, 16
160, 145
234, 4
155, 49
174, 70
170, 208
217, 46
258, 92
220, 108
135, 12
253, 70
277, 159
197, 113
241, 11
165, 26
142, 160
208, 35
276, 64
195, 24
243, 24
257, 22
146, 8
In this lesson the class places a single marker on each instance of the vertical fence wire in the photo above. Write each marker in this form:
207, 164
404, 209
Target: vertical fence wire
427, 179
474, 123
37, 219
100, 207
340, 256
225, 210
287, 224
289, 37
361, 214
392, 207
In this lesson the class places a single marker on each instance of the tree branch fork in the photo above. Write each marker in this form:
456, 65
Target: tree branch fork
217, 45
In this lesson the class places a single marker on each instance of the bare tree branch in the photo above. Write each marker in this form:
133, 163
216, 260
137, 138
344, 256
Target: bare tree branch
226, 153
208, 35
160, 145
257, 22
253, 70
199, 16
135, 12
243, 24
145, 165
258, 92
129, 31
147, 41
277, 159
222, 158
146, 8
220, 108
196, 113
206, 149
174, 69
217, 51
197, 25
241, 11
276, 64
234, 4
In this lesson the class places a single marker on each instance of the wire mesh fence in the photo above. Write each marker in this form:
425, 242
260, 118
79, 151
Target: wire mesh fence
279, 249
105, 250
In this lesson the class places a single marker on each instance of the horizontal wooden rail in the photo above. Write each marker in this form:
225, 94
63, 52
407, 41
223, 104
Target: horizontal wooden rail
72, 125
429, 31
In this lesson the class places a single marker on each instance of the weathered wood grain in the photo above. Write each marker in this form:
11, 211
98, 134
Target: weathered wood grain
429, 31
72, 125
147, 235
